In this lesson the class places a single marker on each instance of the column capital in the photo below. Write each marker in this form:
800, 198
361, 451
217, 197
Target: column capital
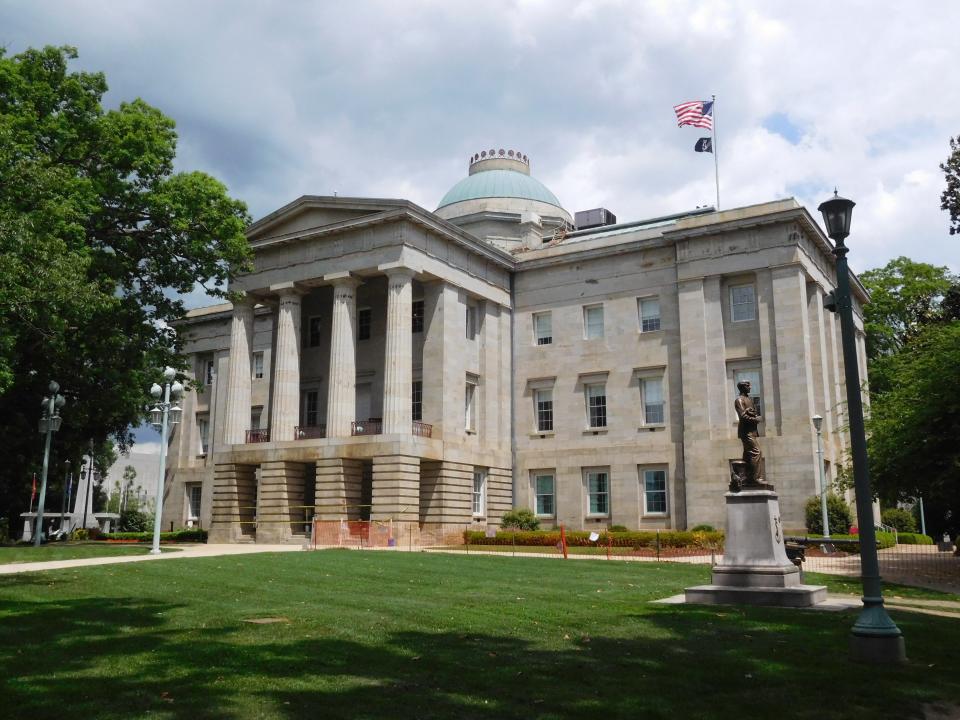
397, 271
243, 301
342, 279
287, 289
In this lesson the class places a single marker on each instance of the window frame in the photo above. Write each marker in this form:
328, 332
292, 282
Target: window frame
753, 303
640, 316
469, 406
470, 320
417, 319
203, 432
587, 309
478, 504
605, 493
539, 415
538, 339
756, 388
416, 400
587, 389
364, 323
645, 492
209, 370
311, 394
536, 477
191, 488
644, 402
314, 331
257, 365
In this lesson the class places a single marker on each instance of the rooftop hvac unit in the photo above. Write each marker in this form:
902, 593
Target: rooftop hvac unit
597, 217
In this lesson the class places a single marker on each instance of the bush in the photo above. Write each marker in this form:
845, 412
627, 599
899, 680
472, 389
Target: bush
184, 535
703, 528
618, 528
86, 534
581, 538
521, 519
884, 540
133, 521
909, 538
838, 515
900, 519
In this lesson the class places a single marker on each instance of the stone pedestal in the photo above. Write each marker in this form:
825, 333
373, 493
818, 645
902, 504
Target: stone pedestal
755, 569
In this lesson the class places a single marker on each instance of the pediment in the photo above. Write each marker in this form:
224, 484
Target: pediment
312, 213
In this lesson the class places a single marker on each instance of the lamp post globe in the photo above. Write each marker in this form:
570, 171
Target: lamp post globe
164, 414
874, 636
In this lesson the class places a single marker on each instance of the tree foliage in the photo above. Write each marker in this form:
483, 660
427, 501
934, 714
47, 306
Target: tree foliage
950, 198
98, 237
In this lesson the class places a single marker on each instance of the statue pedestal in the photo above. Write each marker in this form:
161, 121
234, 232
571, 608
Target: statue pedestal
755, 569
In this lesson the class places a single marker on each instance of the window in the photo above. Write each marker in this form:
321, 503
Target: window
364, 321
258, 365
417, 407
597, 405
311, 408
255, 415
652, 399
543, 400
654, 492
416, 323
313, 332
593, 321
543, 490
471, 321
598, 493
203, 432
751, 375
469, 412
649, 314
742, 303
208, 372
542, 328
194, 493
479, 493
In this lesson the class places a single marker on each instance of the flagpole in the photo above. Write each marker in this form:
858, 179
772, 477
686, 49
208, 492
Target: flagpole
716, 161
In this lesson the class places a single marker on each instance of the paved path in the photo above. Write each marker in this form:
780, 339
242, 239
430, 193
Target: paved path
187, 551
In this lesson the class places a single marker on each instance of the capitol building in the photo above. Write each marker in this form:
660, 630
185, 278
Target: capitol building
433, 369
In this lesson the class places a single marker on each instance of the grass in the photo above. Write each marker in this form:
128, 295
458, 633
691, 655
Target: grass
396, 635
68, 551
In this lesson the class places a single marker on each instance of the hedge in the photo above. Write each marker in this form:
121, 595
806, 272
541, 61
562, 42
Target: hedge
581, 538
185, 535
914, 539
884, 540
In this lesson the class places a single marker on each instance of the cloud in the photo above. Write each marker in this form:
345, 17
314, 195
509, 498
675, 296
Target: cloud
389, 99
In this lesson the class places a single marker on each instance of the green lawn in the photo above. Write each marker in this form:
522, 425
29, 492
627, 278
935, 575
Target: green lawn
68, 551
409, 635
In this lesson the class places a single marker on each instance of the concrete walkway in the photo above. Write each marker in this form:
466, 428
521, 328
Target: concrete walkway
171, 553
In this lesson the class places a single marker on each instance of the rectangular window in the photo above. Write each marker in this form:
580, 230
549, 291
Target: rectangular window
417, 407
255, 416
208, 372
471, 321
655, 492
743, 304
194, 495
311, 408
652, 389
751, 375
597, 405
258, 365
479, 493
593, 321
598, 493
313, 332
416, 322
649, 314
544, 492
468, 406
203, 433
364, 321
543, 399
542, 328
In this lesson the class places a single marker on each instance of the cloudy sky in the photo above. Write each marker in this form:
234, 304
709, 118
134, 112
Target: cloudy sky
390, 99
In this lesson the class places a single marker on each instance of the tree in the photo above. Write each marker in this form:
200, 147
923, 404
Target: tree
98, 239
950, 198
838, 515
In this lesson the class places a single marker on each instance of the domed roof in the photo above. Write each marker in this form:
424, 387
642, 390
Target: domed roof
499, 184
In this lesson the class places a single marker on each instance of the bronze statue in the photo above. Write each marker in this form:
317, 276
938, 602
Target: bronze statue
748, 472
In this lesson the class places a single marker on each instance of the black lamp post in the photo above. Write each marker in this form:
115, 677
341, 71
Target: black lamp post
875, 637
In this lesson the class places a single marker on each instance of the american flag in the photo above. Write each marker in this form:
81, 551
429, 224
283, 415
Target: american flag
698, 113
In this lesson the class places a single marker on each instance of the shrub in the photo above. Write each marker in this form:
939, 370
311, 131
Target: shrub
521, 519
909, 538
618, 528
86, 534
703, 528
884, 540
900, 519
133, 521
184, 535
838, 515
581, 538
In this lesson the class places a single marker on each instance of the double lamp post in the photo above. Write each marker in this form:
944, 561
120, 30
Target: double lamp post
50, 421
163, 415
875, 637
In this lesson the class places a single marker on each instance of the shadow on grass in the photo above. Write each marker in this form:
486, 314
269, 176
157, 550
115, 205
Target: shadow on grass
126, 658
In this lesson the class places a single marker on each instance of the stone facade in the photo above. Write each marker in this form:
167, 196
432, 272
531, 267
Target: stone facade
435, 369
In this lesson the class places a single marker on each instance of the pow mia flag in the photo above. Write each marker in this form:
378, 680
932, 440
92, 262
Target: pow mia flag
704, 144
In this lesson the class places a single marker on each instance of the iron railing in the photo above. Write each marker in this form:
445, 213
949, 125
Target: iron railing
258, 436
309, 432
366, 427
422, 429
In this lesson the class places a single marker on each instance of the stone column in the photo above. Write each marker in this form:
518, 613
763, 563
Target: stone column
286, 365
234, 500
280, 512
339, 488
342, 388
398, 361
238, 381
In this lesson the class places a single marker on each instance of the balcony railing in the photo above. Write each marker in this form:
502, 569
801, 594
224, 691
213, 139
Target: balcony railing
258, 436
422, 429
308, 432
366, 427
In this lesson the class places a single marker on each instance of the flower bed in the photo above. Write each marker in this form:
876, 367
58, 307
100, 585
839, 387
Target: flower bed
581, 538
